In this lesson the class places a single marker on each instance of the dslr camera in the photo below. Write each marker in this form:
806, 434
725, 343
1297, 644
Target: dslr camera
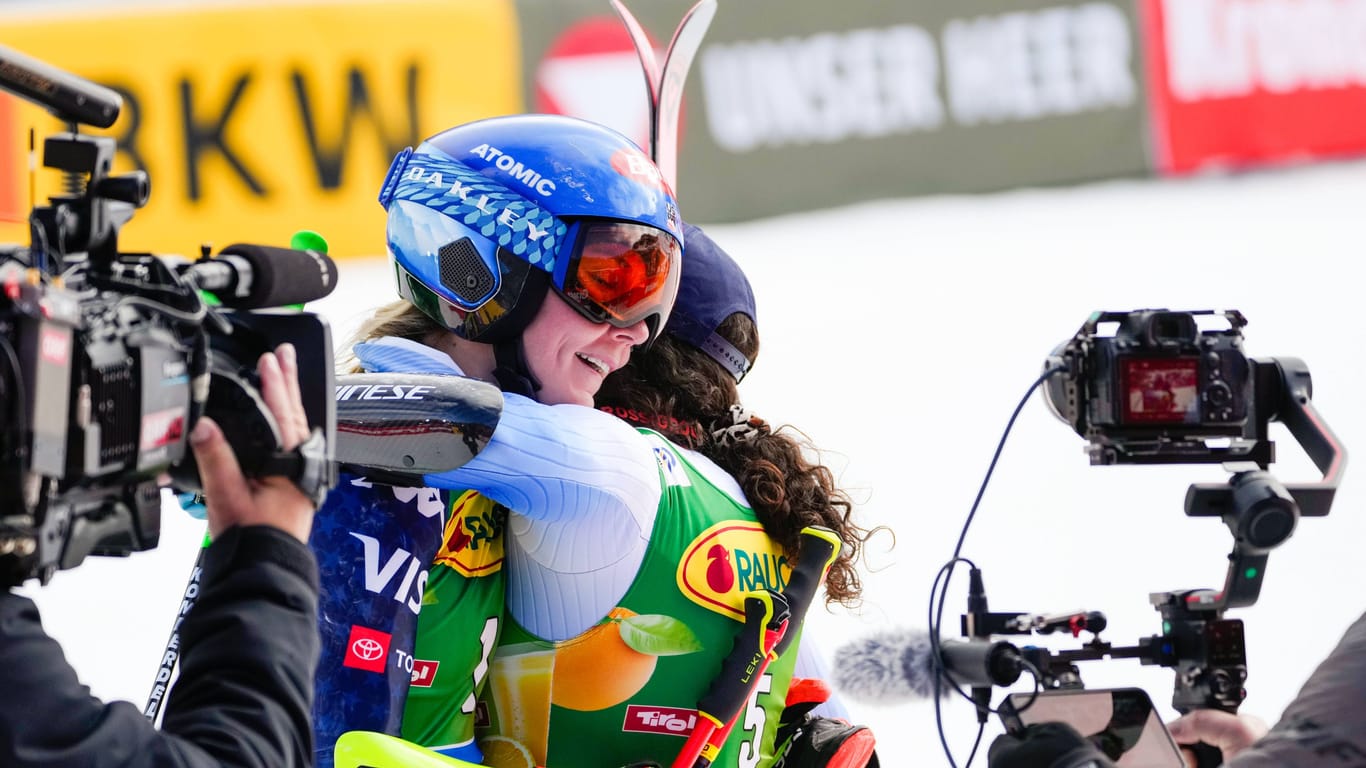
1159, 389
107, 358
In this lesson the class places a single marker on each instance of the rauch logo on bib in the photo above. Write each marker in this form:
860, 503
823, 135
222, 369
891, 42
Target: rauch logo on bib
727, 561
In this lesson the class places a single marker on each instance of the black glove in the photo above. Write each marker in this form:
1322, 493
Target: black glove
827, 742
1045, 745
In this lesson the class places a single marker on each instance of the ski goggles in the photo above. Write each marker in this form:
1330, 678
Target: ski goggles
621, 273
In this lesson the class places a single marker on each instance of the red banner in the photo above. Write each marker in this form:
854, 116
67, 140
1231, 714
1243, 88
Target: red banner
1243, 82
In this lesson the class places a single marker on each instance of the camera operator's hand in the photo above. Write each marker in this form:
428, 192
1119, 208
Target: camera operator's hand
1227, 732
234, 499
1045, 745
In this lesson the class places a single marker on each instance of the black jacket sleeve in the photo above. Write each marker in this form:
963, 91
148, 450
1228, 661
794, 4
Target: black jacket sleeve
1325, 725
243, 698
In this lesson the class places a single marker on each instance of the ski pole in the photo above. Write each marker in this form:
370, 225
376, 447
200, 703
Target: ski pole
716, 739
820, 546
765, 614
171, 655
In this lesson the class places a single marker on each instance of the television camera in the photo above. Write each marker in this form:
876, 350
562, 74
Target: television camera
107, 359
1153, 386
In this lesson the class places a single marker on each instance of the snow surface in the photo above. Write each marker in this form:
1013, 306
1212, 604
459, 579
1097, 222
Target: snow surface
899, 335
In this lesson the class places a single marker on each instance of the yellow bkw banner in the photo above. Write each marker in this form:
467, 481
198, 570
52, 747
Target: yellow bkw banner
257, 120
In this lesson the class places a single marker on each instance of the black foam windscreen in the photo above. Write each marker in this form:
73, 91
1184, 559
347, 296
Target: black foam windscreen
282, 276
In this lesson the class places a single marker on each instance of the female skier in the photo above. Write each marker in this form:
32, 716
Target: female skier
534, 251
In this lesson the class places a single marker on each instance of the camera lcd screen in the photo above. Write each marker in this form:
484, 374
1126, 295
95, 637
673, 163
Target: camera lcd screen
1160, 390
1120, 722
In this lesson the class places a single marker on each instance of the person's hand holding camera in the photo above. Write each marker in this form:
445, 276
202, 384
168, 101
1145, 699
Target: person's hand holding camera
233, 499
1227, 732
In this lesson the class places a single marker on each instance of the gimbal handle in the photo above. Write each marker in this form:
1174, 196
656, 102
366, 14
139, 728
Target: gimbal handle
1285, 391
1259, 510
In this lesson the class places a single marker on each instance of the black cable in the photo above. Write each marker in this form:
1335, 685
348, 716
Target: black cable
1038, 684
38, 237
20, 399
14, 526
946, 572
192, 318
937, 662
977, 742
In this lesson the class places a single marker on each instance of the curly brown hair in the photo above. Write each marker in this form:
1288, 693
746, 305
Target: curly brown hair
677, 388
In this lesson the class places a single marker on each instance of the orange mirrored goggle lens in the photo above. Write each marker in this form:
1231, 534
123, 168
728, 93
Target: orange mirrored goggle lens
623, 274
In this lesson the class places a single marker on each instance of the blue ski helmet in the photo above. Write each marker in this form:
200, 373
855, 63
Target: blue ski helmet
486, 217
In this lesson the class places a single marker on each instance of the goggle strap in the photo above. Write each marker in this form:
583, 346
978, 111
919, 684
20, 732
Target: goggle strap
483, 205
511, 371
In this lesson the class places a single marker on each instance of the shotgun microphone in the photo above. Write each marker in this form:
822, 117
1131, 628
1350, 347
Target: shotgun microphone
899, 665
70, 98
246, 276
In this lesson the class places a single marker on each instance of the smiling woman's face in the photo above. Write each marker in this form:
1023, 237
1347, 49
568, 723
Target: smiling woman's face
570, 355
